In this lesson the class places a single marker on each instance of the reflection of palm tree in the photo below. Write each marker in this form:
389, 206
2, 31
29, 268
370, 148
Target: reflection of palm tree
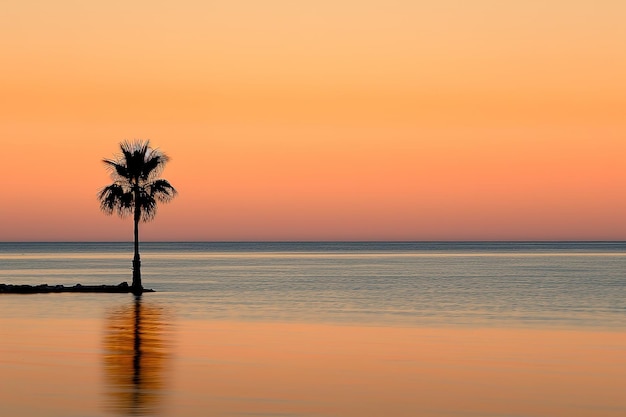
136, 352
136, 190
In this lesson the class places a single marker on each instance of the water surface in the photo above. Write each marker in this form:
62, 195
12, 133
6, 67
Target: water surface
317, 329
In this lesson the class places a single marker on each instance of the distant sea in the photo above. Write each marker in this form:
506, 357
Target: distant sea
562, 284
317, 329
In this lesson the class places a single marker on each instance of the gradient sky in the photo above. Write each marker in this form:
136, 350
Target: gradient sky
319, 120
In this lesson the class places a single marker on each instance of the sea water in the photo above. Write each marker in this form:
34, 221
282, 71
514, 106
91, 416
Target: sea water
513, 284
317, 329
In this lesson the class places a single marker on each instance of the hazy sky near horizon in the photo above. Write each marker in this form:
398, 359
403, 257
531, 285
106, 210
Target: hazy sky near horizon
319, 120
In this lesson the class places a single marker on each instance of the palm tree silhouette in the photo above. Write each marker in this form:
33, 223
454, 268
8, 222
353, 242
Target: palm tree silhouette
136, 189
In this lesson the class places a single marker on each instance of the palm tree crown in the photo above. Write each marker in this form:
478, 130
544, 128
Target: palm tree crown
136, 189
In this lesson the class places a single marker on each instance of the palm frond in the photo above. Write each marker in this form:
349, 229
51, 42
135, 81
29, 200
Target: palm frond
116, 198
153, 165
161, 190
117, 169
148, 206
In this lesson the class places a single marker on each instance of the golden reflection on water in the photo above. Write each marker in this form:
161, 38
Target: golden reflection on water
136, 353
52, 367
296, 369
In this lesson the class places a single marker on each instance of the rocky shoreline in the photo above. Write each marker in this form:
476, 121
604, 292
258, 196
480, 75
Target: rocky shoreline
45, 288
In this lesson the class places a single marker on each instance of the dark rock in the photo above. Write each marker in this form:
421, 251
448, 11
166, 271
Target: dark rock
45, 288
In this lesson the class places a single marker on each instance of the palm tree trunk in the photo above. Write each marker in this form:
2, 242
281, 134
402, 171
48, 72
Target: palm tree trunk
137, 288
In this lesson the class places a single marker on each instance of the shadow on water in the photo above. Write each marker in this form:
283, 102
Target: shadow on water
136, 354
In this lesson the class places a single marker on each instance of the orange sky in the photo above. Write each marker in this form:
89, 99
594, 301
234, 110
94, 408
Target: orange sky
319, 120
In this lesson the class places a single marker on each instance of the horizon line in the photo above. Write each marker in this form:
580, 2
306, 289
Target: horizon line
333, 241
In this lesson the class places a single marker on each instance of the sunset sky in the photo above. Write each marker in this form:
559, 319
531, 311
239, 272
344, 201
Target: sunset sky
319, 120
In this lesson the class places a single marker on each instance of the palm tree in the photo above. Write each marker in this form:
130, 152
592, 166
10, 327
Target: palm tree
135, 190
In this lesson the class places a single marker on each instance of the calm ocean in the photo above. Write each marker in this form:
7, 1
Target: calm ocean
317, 330
566, 285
